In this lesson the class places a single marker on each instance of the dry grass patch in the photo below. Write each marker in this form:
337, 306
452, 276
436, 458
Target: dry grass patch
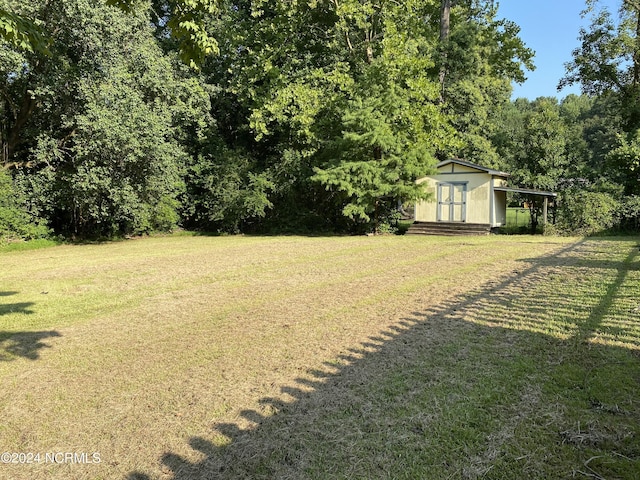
288, 357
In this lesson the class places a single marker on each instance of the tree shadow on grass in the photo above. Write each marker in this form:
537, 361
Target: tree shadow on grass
22, 307
476, 387
24, 344
7, 308
21, 344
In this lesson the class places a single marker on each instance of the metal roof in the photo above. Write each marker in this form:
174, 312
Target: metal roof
526, 191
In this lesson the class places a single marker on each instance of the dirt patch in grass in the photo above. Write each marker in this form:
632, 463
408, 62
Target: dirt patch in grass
292, 357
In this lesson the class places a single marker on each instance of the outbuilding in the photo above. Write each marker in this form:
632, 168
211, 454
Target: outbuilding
466, 197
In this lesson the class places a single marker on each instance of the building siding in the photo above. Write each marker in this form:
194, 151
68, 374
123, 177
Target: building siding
478, 204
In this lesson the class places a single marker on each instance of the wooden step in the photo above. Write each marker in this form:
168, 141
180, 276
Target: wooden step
446, 228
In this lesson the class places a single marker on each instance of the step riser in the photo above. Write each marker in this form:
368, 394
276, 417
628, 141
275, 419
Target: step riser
449, 234
448, 229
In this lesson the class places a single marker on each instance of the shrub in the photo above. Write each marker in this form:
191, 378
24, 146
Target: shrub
15, 220
630, 213
584, 212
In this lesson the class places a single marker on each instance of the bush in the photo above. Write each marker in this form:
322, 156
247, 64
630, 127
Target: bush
15, 221
630, 214
587, 213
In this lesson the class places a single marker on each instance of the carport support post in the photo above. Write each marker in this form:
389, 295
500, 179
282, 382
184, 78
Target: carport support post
545, 209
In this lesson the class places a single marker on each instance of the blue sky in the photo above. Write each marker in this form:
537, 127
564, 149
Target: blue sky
551, 29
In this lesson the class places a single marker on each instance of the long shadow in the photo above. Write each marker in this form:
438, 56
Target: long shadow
592, 323
450, 388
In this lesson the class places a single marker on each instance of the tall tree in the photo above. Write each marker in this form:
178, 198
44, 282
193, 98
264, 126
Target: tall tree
393, 125
309, 71
608, 59
608, 64
341, 96
482, 56
89, 129
532, 140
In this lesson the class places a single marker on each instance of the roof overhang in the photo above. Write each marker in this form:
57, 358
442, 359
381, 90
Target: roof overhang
526, 191
475, 166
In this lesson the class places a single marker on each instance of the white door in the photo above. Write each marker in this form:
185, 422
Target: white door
452, 202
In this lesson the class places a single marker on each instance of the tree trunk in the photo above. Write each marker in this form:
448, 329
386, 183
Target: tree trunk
445, 14
636, 52
377, 150
633, 8
12, 139
445, 17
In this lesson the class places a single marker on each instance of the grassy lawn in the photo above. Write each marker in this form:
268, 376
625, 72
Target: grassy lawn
313, 358
518, 217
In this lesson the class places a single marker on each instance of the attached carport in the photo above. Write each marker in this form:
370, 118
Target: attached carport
533, 193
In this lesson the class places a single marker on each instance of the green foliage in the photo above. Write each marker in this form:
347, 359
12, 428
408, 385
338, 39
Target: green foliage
125, 176
383, 124
15, 220
597, 63
552, 146
608, 59
625, 162
186, 21
223, 194
313, 115
587, 213
21, 32
481, 58
303, 87
544, 161
532, 143
392, 127
28, 245
575, 147
99, 148
630, 214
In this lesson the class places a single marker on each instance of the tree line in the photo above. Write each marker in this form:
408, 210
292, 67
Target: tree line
125, 117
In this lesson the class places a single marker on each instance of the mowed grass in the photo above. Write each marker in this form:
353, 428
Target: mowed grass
518, 217
314, 358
